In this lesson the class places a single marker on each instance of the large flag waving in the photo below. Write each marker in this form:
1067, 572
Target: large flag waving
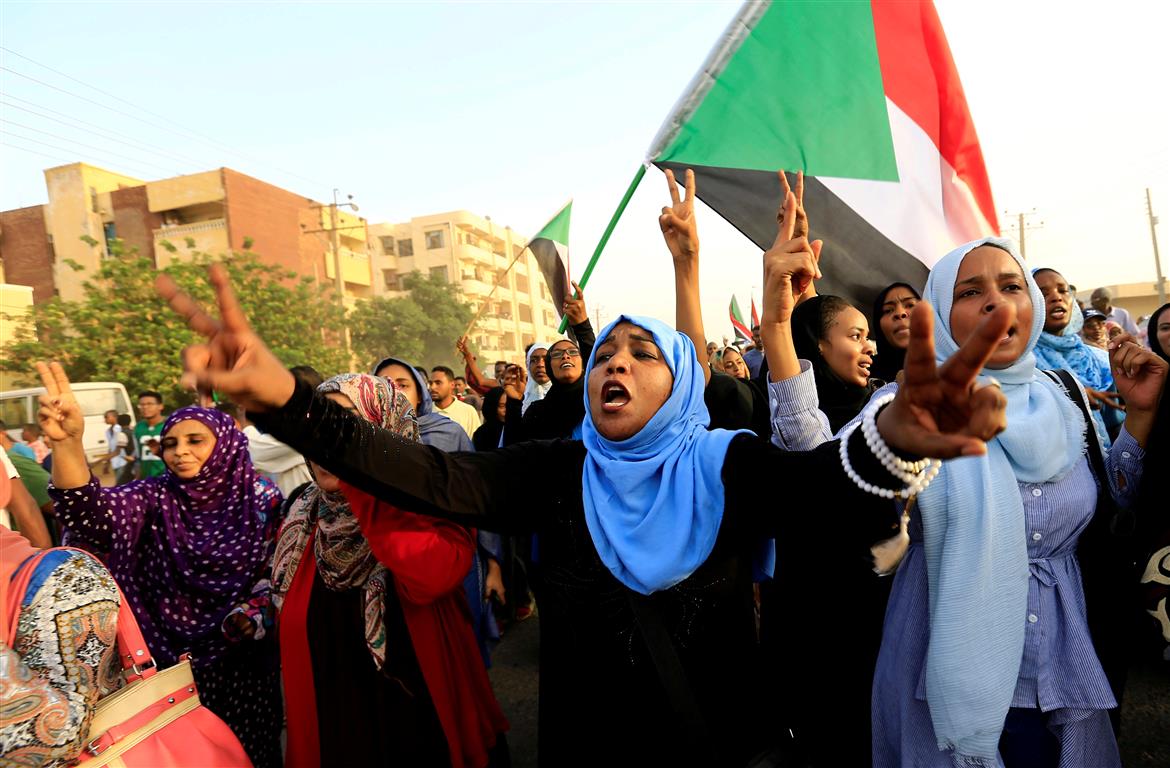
550, 246
865, 98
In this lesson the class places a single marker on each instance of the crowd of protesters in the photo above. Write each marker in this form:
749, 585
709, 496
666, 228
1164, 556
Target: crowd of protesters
961, 489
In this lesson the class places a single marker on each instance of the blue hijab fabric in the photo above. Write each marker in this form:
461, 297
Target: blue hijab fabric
434, 428
654, 501
974, 534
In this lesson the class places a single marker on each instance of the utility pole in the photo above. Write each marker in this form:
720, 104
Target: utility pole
1023, 226
1154, 239
334, 230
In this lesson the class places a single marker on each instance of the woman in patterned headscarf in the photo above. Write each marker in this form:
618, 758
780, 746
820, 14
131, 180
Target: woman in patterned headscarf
380, 662
190, 549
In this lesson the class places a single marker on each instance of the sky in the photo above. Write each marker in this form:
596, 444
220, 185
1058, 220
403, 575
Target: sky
509, 109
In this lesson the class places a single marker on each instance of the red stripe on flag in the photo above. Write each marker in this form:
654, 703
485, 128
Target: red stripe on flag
755, 315
919, 75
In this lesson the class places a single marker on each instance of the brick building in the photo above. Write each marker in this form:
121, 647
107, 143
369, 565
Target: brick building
213, 212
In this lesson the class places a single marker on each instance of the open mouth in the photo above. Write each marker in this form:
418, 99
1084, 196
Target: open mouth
1009, 336
567, 365
1058, 313
614, 397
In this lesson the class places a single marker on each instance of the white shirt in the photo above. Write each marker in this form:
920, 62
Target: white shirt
282, 464
1122, 318
116, 442
462, 414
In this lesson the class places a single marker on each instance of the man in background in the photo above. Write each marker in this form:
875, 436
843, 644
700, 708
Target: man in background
442, 386
148, 434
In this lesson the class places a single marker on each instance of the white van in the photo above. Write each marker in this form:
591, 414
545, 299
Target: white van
19, 407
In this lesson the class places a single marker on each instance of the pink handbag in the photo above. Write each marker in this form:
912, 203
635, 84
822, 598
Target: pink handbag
156, 720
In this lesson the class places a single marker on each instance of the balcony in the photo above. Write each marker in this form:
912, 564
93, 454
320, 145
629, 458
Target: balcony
210, 236
355, 267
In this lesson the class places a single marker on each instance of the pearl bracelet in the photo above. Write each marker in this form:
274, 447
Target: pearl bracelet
917, 475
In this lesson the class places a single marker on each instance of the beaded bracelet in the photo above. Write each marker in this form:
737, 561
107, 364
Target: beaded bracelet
917, 475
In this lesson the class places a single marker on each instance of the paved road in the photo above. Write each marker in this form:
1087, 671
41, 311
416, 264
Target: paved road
515, 677
1145, 737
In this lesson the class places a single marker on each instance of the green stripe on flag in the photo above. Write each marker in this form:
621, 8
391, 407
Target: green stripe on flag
557, 229
802, 90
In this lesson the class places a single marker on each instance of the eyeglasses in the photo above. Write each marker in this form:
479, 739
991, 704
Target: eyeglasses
561, 354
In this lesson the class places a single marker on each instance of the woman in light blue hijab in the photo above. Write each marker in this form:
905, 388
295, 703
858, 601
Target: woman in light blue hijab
988, 655
648, 526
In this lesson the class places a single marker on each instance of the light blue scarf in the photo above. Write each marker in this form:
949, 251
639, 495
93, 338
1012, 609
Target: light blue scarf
654, 501
974, 535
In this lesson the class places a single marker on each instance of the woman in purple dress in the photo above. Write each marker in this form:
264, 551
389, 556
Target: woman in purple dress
191, 550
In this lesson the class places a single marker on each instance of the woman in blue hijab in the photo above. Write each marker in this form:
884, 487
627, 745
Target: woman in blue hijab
648, 525
1001, 637
435, 429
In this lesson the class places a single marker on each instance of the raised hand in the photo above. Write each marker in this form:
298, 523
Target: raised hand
942, 412
234, 360
678, 220
1138, 373
60, 414
799, 217
515, 381
790, 266
461, 345
574, 306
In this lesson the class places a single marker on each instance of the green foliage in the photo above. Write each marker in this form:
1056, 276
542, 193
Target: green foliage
122, 331
421, 327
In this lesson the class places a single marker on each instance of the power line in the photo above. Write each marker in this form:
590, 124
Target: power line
79, 143
82, 125
87, 146
67, 150
54, 158
189, 134
99, 90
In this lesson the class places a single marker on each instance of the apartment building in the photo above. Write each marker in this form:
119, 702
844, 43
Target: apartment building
473, 253
213, 211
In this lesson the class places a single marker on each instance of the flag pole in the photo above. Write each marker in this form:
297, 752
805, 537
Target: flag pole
483, 305
605, 237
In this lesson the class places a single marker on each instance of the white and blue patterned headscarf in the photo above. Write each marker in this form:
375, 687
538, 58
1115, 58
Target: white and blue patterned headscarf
974, 533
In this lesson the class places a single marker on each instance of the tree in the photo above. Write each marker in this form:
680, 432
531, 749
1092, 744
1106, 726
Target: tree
122, 331
421, 327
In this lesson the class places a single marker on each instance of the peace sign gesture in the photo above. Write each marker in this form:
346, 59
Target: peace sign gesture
790, 265
234, 360
60, 414
799, 217
678, 220
940, 411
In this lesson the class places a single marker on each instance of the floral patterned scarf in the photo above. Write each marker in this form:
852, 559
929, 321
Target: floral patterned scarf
344, 559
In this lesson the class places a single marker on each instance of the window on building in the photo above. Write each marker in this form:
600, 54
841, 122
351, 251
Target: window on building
528, 340
406, 247
549, 318
110, 232
509, 341
544, 294
525, 313
387, 245
521, 283
436, 238
391, 280
440, 272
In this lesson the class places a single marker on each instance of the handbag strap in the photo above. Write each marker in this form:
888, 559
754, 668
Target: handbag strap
1122, 522
137, 663
672, 675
